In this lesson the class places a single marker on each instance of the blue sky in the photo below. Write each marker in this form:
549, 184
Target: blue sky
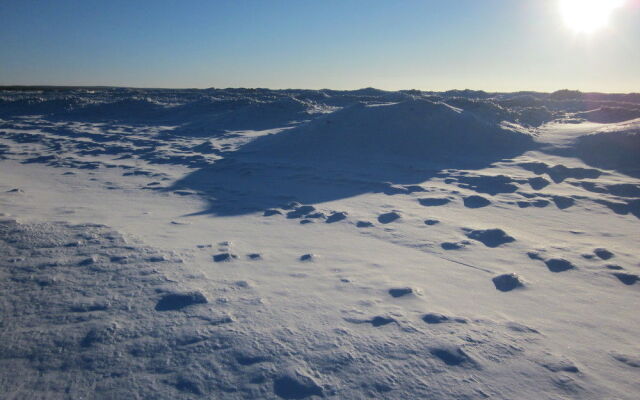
504, 45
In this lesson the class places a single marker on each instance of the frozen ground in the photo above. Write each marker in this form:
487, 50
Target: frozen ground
303, 244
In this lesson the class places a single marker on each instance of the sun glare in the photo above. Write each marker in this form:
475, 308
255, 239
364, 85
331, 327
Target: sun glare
587, 16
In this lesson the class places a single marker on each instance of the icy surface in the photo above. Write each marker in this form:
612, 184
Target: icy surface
250, 243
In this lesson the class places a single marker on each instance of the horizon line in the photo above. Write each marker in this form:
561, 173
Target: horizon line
67, 87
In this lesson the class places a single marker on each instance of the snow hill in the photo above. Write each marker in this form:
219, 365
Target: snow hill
416, 128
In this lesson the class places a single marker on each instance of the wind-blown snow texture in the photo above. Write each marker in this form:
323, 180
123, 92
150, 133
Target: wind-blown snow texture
251, 243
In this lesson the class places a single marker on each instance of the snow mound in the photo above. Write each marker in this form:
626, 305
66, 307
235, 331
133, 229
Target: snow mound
247, 115
35, 105
486, 110
615, 147
120, 110
412, 128
608, 115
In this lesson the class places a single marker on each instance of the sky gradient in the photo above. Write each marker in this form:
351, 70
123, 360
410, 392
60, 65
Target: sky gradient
495, 45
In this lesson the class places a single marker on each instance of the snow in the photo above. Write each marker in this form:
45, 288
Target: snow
248, 243
411, 128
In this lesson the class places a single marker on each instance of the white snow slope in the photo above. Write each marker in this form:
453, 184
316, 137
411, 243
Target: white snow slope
249, 243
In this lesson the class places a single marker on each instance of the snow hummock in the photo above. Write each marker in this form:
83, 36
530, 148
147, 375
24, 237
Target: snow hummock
417, 128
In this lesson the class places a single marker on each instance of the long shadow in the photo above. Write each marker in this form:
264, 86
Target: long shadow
260, 176
240, 185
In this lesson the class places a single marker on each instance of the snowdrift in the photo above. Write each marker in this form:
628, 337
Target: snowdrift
616, 147
415, 128
125, 110
607, 115
247, 114
36, 105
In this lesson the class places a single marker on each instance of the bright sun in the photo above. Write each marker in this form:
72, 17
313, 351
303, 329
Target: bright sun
586, 16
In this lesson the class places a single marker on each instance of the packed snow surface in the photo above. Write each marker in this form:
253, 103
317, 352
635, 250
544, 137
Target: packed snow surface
301, 244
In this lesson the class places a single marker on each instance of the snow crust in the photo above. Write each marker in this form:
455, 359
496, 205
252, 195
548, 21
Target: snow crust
251, 243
